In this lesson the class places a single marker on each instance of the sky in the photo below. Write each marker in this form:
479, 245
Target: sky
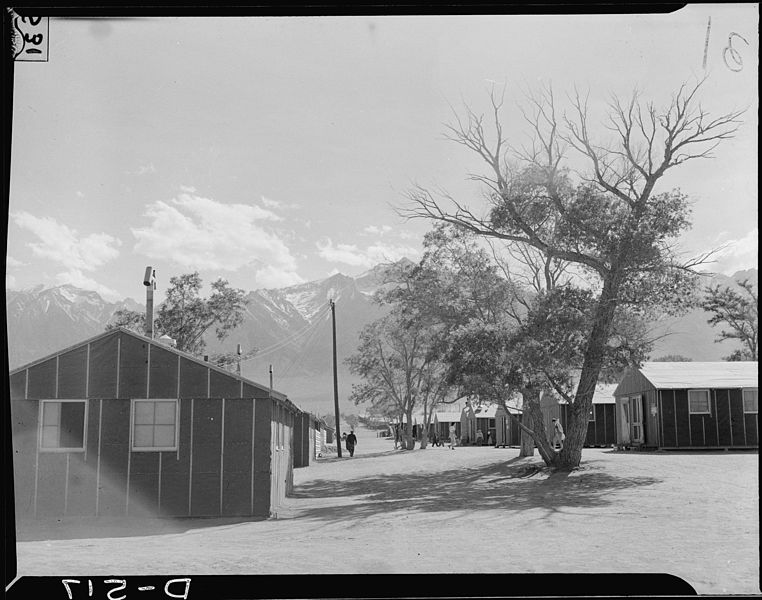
274, 151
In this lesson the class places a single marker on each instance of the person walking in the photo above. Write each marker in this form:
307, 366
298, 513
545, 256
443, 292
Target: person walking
351, 443
479, 438
452, 437
558, 435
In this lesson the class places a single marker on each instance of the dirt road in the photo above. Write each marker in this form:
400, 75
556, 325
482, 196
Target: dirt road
475, 509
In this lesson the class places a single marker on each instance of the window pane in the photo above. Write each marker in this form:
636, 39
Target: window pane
165, 413
144, 412
143, 436
51, 412
72, 424
699, 401
164, 436
750, 401
49, 436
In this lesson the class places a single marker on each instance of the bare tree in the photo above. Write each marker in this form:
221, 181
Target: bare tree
738, 310
607, 220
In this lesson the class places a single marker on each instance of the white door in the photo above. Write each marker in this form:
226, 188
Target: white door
637, 419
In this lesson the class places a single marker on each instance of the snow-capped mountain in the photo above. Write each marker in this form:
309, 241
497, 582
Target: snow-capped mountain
41, 321
290, 328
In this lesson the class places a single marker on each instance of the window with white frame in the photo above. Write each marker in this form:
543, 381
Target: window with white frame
63, 425
750, 401
154, 425
698, 402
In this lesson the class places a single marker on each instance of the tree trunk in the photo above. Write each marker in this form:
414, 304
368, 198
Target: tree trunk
408, 443
579, 412
527, 445
533, 413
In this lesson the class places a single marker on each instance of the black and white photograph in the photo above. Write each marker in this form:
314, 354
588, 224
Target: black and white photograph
383, 294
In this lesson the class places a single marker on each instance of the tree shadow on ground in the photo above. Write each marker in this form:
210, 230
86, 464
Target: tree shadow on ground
511, 486
689, 452
358, 456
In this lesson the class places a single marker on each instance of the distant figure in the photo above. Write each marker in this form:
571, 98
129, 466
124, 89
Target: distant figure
479, 438
344, 435
453, 437
435, 439
558, 435
351, 442
489, 438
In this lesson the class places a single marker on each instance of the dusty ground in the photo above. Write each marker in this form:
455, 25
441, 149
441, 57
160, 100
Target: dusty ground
475, 510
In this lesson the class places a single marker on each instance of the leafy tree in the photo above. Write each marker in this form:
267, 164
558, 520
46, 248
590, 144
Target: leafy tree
672, 358
351, 420
186, 317
129, 319
400, 368
608, 222
230, 360
739, 310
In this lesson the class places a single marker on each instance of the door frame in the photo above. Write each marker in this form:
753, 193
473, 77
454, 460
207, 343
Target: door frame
636, 419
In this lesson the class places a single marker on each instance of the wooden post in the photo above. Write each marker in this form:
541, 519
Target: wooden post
335, 381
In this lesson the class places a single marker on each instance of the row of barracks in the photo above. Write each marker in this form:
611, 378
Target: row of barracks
659, 405
123, 425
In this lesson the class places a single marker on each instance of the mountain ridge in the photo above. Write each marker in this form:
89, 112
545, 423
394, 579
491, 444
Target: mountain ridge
290, 327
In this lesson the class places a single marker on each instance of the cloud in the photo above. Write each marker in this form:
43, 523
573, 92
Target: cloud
64, 245
10, 282
12, 263
189, 189
143, 170
375, 230
374, 254
202, 233
78, 279
738, 254
270, 203
80, 194
271, 277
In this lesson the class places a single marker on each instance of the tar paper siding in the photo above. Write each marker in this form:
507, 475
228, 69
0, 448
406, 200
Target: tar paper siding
507, 430
668, 422
226, 462
303, 439
602, 430
726, 426
467, 425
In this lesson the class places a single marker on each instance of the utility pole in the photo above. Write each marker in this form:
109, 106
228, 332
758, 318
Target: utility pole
335, 381
238, 351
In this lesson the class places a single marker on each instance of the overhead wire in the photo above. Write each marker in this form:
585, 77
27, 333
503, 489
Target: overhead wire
299, 334
299, 356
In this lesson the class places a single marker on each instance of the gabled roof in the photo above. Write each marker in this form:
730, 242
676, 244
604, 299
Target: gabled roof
448, 417
680, 375
486, 411
156, 343
604, 394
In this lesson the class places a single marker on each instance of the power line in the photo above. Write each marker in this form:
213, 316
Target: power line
283, 343
299, 357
